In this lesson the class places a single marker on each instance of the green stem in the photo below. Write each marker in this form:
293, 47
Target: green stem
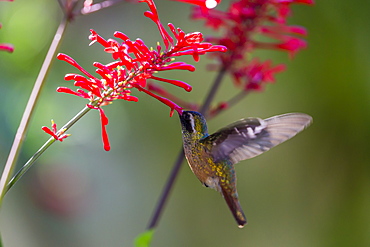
47, 144
29, 163
5, 185
23, 126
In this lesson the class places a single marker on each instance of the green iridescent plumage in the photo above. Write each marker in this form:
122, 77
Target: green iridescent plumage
212, 157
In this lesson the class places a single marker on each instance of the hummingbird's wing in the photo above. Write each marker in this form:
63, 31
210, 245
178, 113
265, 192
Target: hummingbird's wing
250, 137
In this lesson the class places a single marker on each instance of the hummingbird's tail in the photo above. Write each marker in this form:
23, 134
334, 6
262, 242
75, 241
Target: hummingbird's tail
235, 208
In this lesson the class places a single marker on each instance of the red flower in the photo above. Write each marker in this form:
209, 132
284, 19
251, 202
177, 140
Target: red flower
248, 25
60, 136
245, 20
6, 47
134, 64
253, 76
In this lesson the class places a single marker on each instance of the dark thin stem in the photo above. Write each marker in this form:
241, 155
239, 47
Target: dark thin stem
212, 92
166, 191
180, 158
237, 98
231, 102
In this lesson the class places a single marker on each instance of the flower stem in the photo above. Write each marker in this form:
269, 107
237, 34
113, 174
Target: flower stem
23, 126
237, 98
212, 92
47, 144
231, 102
180, 158
166, 191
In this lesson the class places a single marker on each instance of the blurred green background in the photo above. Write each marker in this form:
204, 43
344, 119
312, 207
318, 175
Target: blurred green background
311, 191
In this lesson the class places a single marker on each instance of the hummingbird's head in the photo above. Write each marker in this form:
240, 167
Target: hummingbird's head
193, 122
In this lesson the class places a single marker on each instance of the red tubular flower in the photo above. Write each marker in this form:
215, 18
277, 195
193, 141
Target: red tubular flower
187, 87
104, 122
220, 107
246, 19
134, 64
168, 102
60, 136
255, 75
157, 89
243, 24
6, 47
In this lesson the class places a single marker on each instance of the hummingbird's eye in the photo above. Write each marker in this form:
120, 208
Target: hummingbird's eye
188, 121
186, 115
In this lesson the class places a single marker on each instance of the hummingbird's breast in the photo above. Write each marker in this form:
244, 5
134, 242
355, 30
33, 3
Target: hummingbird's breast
211, 174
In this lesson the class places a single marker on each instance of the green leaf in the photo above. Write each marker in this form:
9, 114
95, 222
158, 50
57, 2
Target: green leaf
144, 239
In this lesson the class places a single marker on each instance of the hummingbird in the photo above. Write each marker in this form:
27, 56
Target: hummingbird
212, 157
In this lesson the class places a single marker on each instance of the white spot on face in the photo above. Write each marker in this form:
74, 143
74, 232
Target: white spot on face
191, 119
236, 130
